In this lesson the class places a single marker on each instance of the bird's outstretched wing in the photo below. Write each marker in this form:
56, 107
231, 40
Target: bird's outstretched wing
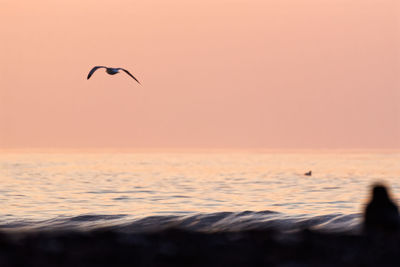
127, 72
93, 70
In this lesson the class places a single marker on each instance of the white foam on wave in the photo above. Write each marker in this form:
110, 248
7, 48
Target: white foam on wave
205, 222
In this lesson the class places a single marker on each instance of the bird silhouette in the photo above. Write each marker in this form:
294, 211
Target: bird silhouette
111, 71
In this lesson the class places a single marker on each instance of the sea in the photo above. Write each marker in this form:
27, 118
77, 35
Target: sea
201, 191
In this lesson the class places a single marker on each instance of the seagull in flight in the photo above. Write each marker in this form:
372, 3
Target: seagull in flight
110, 71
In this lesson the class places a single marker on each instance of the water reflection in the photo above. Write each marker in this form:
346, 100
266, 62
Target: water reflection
46, 185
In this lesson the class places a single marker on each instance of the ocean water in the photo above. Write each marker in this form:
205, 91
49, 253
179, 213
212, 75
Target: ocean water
207, 191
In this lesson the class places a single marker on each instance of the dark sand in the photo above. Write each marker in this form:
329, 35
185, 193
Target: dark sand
175, 247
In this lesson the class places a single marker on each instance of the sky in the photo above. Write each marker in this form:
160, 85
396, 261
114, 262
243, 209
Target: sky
307, 74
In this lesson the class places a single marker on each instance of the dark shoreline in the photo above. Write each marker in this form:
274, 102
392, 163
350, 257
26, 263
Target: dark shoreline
175, 247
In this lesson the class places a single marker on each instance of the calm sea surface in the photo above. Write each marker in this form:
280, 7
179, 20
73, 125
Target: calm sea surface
45, 186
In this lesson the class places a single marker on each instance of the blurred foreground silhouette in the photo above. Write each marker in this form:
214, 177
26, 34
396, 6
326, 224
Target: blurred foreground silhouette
377, 245
381, 215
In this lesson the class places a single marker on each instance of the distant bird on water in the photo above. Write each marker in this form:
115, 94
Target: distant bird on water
110, 71
308, 173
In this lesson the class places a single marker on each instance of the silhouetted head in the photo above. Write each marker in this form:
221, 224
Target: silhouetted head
379, 193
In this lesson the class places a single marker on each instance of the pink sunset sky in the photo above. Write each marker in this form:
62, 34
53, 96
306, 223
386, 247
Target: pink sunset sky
215, 74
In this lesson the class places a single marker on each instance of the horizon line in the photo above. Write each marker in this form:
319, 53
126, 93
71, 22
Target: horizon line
190, 150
